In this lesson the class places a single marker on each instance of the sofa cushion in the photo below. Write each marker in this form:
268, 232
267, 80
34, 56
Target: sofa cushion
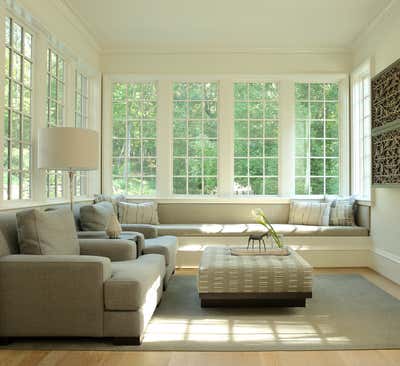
130, 282
113, 199
138, 213
246, 229
309, 213
96, 217
47, 232
165, 245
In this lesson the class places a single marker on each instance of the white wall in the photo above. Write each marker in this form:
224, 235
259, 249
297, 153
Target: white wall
383, 46
226, 63
61, 23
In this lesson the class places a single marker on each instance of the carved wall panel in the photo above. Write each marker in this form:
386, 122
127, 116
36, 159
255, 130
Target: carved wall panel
385, 111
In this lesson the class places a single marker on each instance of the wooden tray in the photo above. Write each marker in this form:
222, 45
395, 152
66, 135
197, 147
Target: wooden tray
257, 252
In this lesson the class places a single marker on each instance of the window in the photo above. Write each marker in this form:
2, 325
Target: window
17, 112
317, 138
81, 120
195, 152
361, 132
134, 115
55, 115
256, 138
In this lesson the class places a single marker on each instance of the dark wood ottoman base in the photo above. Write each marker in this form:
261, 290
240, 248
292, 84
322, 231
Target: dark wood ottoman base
296, 299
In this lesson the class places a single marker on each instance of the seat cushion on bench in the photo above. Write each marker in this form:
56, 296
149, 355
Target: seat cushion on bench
247, 229
133, 281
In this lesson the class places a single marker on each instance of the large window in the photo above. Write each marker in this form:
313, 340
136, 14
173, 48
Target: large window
317, 138
195, 133
55, 115
256, 138
361, 133
81, 120
134, 115
17, 112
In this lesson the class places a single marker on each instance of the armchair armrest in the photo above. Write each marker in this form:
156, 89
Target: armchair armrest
114, 249
43, 295
149, 231
92, 235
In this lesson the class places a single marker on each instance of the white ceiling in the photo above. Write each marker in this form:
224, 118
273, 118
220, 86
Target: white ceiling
226, 24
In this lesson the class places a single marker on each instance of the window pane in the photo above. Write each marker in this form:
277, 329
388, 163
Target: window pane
55, 114
17, 121
256, 138
134, 136
195, 138
317, 138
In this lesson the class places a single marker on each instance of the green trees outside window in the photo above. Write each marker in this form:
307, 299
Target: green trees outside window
256, 113
195, 133
317, 138
134, 150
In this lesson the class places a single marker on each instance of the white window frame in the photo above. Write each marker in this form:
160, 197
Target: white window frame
278, 138
361, 132
42, 40
202, 157
226, 134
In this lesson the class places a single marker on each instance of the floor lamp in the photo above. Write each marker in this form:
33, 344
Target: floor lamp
68, 149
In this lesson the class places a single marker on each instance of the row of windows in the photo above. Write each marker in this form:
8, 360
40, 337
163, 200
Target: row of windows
195, 138
17, 150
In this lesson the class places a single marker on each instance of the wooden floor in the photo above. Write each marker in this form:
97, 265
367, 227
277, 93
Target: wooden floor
277, 358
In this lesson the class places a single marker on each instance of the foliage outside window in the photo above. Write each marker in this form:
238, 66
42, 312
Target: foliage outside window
17, 112
81, 120
195, 133
317, 138
134, 113
256, 138
55, 115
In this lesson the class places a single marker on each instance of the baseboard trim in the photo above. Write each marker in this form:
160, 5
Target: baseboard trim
390, 256
386, 264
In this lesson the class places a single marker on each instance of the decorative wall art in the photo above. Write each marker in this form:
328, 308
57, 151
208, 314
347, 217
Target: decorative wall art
385, 111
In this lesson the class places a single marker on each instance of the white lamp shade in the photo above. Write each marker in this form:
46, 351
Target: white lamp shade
68, 148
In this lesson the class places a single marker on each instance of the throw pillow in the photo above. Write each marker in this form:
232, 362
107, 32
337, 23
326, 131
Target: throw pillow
138, 213
4, 248
96, 217
309, 213
342, 212
342, 215
114, 199
47, 232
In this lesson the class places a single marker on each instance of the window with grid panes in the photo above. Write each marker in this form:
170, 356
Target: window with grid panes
81, 121
256, 138
195, 150
55, 115
361, 135
134, 164
17, 112
317, 138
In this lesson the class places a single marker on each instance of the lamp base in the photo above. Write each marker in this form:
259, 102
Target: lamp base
71, 175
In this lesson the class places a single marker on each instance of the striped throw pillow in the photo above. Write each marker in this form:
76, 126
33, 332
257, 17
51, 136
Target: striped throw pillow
342, 214
309, 213
138, 213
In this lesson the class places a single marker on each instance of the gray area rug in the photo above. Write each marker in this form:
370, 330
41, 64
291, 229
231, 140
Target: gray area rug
346, 312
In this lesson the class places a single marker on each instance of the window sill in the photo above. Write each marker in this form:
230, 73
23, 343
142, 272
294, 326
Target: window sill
227, 200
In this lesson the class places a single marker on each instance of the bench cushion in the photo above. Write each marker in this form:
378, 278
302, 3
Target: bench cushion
246, 229
132, 281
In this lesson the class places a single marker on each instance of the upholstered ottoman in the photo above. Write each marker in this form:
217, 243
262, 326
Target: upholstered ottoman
228, 280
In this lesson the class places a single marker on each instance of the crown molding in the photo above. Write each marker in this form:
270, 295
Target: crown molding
372, 24
224, 51
76, 20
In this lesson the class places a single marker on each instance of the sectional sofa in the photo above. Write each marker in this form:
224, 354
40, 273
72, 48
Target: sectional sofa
110, 288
